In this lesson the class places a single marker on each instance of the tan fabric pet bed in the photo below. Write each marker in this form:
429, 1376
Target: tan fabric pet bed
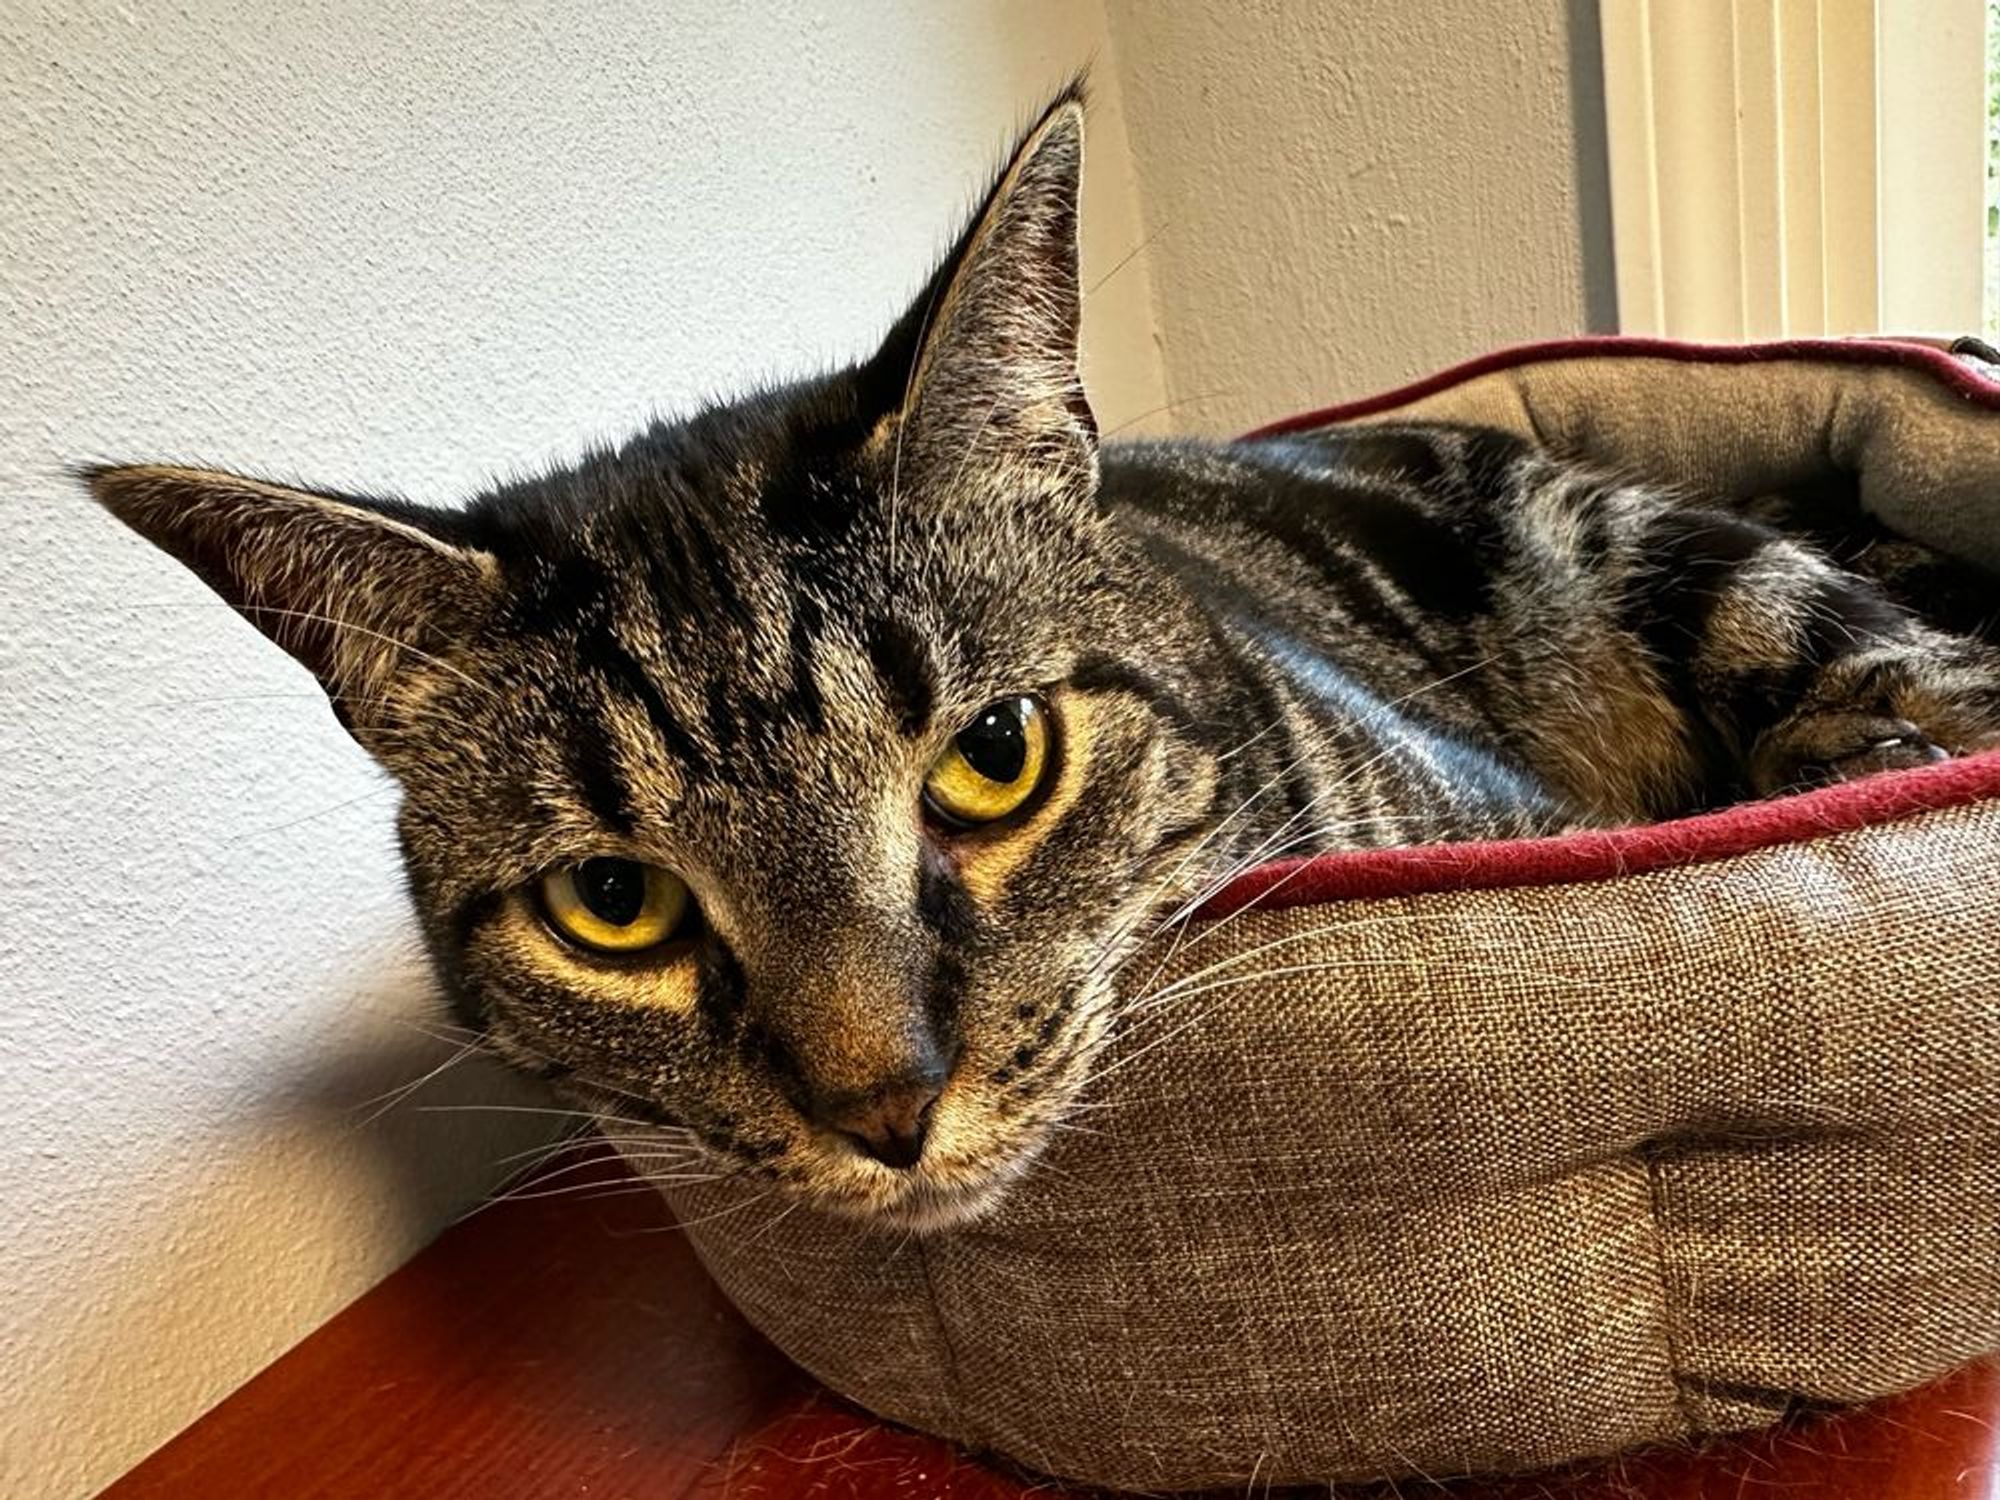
1537, 1150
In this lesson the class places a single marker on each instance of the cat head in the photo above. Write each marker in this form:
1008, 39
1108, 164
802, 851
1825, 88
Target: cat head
785, 776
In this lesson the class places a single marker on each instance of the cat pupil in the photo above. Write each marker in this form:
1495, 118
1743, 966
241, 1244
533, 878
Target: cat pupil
614, 890
995, 744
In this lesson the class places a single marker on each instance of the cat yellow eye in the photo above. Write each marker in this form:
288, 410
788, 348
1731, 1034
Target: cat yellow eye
993, 765
615, 905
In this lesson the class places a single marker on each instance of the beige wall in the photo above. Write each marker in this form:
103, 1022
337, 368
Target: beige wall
1343, 194
375, 245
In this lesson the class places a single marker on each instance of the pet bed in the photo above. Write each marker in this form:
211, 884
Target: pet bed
1527, 1151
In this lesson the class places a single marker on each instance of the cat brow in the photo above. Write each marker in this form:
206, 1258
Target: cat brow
897, 653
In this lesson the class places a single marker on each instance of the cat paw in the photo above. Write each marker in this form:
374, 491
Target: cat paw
1828, 748
1895, 752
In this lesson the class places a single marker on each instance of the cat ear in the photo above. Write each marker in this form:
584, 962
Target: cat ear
358, 590
984, 367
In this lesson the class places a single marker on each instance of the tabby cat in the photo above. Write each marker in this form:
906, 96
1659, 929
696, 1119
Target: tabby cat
797, 775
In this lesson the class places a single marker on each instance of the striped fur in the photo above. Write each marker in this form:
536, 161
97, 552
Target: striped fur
732, 647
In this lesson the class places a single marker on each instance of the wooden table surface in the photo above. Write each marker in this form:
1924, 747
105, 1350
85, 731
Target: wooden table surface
572, 1346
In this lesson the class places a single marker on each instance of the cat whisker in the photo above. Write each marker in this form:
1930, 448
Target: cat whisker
319, 618
313, 695
1152, 997
1118, 1063
1165, 407
1073, 1128
778, 1218
1221, 825
734, 1208
903, 413
313, 616
1085, 1107
647, 1188
613, 1091
412, 713
1263, 852
1180, 989
317, 813
499, 1044
617, 1185
577, 1139
533, 1184
1244, 744
1240, 863
1184, 942
972, 442
1210, 886
437, 1028
651, 1141
388, 1100
585, 1137
1146, 243
507, 1109
1043, 1164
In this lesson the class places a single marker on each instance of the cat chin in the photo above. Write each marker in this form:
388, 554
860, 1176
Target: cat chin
928, 1201
934, 1209
931, 1200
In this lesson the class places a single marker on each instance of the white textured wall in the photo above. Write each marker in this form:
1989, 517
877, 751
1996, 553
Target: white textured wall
1343, 194
374, 245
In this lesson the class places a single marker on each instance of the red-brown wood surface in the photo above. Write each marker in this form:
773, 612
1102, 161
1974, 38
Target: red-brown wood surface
571, 1345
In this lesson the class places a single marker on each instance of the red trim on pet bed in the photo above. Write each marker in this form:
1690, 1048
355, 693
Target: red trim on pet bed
1945, 368
1603, 854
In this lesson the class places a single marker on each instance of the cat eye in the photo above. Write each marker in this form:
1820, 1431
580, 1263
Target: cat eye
616, 905
993, 765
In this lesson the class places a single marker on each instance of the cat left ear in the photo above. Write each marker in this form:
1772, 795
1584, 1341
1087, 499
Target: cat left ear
360, 591
986, 363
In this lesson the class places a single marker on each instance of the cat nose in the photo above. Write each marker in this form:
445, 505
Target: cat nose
891, 1123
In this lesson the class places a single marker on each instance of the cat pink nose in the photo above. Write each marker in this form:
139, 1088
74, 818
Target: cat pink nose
890, 1125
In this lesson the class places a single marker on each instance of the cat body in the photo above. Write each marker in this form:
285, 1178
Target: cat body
793, 780
1460, 633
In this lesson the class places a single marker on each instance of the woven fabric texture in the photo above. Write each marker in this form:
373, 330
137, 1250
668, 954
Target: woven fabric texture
1449, 1180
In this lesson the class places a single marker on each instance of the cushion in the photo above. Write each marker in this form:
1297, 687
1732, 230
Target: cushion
1489, 1157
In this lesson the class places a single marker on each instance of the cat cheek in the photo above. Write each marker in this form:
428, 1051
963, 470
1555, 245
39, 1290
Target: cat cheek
673, 990
987, 867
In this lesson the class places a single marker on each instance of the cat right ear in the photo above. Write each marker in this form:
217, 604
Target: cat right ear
362, 592
983, 372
